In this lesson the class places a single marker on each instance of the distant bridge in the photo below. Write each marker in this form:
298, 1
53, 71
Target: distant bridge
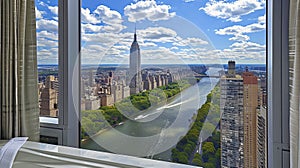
206, 76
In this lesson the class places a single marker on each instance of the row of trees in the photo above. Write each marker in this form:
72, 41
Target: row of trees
211, 151
95, 120
207, 120
187, 145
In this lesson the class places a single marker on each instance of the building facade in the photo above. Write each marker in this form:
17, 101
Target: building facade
231, 110
135, 76
49, 97
251, 98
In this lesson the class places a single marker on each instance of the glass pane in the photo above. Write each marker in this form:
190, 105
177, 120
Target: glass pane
47, 52
179, 81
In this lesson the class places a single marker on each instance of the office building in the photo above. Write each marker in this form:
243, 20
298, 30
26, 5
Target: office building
135, 77
251, 98
49, 97
231, 110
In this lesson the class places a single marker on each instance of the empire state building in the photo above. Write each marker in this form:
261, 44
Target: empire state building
135, 68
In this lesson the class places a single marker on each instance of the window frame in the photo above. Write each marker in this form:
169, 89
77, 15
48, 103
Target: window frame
69, 73
69, 44
278, 83
277, 73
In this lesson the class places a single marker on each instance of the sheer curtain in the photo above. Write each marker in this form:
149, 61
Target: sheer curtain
19, 111
294, 56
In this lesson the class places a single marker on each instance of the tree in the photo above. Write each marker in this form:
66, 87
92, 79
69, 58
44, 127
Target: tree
182, 158
208, 147
208, 165
216, 139
175, 152
197, 162
218, 157
188, 149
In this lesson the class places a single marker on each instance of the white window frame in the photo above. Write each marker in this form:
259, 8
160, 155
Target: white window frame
68, 128
278, 83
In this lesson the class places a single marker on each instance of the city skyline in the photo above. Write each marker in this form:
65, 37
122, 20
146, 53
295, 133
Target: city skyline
107, 27
241, 96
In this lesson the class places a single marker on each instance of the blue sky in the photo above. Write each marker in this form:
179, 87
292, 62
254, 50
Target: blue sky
169, 31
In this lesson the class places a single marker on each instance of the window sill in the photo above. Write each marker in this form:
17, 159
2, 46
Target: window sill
49, 120
34, 154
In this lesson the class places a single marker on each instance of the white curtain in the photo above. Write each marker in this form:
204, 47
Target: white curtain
19, 111
294, 57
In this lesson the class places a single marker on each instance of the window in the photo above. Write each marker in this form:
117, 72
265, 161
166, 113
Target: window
160, 74
158, 81
48, 69
47, 50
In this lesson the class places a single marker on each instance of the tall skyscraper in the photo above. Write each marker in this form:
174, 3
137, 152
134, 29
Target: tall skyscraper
251, 98
231, 108
135, 76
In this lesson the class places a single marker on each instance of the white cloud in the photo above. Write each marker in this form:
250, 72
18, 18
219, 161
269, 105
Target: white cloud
42, 3
174, 48
114, 48
232, 30
148, 44
188, 0
38, 13
47, 35
88, 17
102, 19
159, 54
53, 9
90, 28
49, 25
44, 42
232, 11
158, 34
46, 56
240, 37
108, 16
113, 28
243, 52
248, 47
238, 32
194, 42
106, 40
147, 9
262, 19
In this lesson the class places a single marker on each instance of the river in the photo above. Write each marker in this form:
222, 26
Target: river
156, 131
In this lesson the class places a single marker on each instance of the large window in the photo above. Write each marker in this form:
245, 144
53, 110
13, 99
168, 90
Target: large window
47, 50
181, 81
48, 70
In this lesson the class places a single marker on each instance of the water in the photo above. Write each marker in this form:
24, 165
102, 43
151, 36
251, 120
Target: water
157, 130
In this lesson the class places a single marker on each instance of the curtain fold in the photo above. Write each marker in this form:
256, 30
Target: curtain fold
294, 58
19, 112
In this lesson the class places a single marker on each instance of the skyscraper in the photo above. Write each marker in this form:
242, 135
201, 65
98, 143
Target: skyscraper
231, 108
250, 118
135, 76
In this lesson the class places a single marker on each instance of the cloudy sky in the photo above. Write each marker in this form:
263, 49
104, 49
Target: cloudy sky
169, 31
